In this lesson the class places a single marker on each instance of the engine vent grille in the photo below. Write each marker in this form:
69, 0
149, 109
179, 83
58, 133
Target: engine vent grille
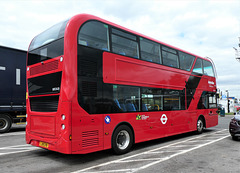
89, 88
44, 104
53, 65
90, 138
89, 133
88, 68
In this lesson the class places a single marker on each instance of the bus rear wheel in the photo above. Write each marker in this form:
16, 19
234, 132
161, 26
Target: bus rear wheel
5, 123
122, 139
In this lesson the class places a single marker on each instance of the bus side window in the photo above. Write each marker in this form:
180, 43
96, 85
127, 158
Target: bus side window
124, 44
150, 51
152, 99
127, 98
94, 34
173, 100
186, 61
212, 100
170, 57
208, 100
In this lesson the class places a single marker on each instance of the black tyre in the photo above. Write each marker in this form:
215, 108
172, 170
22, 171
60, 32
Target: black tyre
235, 138
122, 140
200, 125
5, 123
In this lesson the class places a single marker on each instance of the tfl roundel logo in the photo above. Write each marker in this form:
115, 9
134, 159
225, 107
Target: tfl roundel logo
107, 119
164, 118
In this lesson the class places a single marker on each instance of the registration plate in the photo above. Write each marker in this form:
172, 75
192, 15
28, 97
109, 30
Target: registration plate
43, 144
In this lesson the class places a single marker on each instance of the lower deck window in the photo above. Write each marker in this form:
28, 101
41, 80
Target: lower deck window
130, 99
208, 100
127, 98
122, 98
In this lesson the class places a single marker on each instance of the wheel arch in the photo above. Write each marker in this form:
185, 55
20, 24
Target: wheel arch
7, 114
204, 120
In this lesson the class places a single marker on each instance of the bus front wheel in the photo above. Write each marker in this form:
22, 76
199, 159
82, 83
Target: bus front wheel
122, 139
200, 125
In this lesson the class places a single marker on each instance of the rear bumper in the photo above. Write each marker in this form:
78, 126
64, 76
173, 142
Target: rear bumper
59, 145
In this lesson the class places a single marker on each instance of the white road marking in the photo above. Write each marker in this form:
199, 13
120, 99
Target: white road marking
156, 151
13, 134
120, 170
126, 161
174, 155
14, 146
12, 149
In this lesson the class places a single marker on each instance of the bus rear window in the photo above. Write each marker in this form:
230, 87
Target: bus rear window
50, 35
49, 51
47, 45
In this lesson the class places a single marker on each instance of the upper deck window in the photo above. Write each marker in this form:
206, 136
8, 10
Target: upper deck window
50, 35
208, 68
186, 61
94, 34
150, 51
198, 66
170, 57
47, 45
124, 43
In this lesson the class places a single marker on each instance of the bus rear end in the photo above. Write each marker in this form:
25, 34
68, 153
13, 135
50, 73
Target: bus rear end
48, 119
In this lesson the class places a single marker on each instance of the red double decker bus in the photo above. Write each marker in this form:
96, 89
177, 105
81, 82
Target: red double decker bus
94, 85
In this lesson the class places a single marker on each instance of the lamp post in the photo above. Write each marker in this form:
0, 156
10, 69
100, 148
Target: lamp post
237, 51
228, 101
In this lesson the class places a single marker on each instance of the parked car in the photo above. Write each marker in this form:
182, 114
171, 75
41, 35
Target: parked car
234, 127
236, 107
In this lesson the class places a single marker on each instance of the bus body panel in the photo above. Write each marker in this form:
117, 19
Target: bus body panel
121, 70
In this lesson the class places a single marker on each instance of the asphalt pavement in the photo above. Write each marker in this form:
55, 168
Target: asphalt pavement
212, 151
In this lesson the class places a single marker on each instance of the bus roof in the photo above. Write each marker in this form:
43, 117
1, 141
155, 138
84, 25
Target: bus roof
86, 17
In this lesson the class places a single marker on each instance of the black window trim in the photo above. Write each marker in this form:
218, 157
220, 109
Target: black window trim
110, 33
115, 28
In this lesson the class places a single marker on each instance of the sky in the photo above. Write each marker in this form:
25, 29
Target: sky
208, 28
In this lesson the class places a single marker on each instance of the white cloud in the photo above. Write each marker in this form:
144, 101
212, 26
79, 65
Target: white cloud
205, 28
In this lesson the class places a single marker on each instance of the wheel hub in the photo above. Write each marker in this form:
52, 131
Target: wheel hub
2, 123
123, 139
